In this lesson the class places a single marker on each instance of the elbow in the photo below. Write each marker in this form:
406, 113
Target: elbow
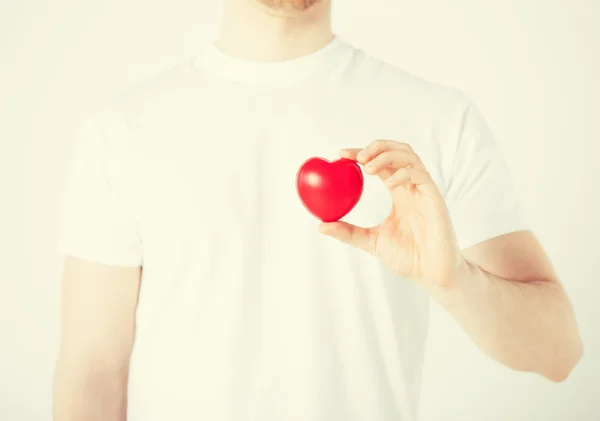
560, 368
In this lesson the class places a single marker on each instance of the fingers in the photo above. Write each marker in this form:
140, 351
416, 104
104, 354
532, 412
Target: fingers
379, 146
394, 159
408, 175
363, 238
350, 153
397, 155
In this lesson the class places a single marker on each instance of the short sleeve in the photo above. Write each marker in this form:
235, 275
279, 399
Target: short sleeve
480, 194
95, 220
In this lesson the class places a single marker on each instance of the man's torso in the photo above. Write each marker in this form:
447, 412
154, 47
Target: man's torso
246, 312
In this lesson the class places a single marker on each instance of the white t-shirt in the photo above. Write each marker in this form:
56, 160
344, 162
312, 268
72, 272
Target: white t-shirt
246, 312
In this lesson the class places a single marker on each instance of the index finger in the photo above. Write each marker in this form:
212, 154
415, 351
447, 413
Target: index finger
350, 153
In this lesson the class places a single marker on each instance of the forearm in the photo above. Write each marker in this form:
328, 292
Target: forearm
527, 326
83, 395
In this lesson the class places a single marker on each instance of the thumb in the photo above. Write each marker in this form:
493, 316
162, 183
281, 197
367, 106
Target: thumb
363, 238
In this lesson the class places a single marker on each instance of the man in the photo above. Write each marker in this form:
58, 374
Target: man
250, 310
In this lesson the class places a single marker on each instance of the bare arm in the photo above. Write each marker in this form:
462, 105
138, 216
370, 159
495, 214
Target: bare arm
503, 291
509, 300
98, 325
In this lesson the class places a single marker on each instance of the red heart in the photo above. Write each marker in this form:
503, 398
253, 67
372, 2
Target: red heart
329, 190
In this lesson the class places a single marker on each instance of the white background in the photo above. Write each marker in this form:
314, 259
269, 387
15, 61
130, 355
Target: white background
532, 66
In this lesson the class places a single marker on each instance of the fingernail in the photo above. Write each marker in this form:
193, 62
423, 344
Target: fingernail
362, 154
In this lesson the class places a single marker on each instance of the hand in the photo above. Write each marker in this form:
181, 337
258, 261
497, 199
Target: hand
416, 240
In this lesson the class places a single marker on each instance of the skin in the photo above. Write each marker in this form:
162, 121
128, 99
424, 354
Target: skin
97, 331
503, 292
287, 30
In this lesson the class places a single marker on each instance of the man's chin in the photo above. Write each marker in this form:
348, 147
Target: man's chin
288, 7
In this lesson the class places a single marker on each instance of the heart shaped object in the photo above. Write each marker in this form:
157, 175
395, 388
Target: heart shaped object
329, 190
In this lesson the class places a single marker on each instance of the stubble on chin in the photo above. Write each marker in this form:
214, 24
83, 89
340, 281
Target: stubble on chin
288, 7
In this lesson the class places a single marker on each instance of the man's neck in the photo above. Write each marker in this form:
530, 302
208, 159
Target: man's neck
252, 32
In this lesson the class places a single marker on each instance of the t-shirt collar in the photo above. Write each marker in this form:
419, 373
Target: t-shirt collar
298, 69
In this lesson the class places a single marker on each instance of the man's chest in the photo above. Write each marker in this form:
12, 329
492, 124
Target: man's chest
234, 162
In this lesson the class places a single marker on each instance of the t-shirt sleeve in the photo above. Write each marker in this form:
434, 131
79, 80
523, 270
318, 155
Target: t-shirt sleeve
96, 223
480, 194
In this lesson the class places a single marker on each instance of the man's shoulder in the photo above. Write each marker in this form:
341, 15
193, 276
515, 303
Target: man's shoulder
149, 94
393, 81
138, 106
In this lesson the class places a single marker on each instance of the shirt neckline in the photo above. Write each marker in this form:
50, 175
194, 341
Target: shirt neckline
223, 66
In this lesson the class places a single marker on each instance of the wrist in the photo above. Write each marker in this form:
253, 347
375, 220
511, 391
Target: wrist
453, 293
